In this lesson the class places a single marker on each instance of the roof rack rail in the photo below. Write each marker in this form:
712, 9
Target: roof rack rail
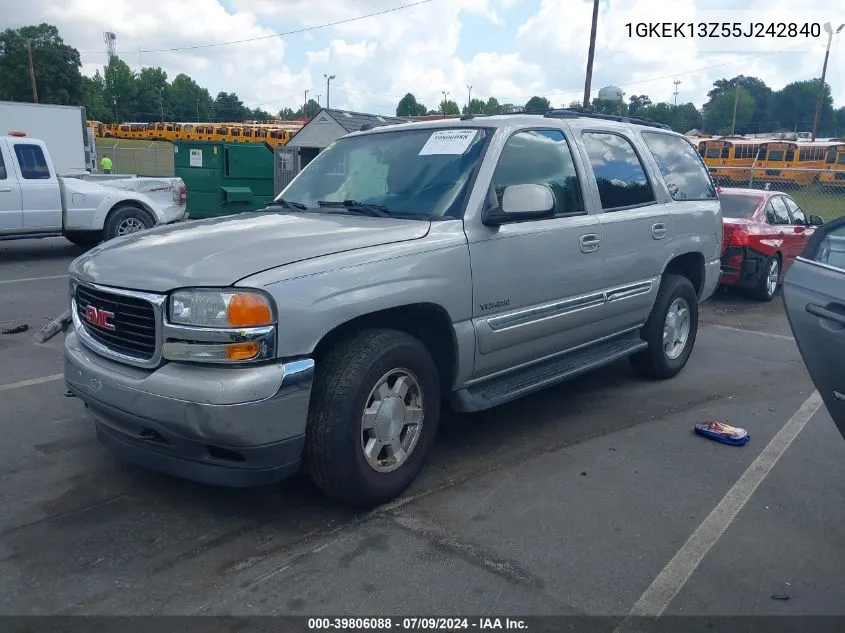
576, 113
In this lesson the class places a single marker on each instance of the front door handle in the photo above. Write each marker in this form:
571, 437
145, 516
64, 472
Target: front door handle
5, 188
826, 313
590, 243
658, 231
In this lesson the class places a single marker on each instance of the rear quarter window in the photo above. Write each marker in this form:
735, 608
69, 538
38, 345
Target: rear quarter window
680, 165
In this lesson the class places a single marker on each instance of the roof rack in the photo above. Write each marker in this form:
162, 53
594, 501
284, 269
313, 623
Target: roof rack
573, 113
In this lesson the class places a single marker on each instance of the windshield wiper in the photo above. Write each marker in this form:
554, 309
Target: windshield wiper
287, 204
374, 210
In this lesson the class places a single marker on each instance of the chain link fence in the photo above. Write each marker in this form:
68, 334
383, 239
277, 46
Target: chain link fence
817, 191
142, 158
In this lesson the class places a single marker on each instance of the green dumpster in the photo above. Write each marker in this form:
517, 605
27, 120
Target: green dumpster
224, 178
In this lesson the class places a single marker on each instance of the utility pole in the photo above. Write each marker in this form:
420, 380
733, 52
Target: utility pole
114, 101
676, 82
469, 98
736, 103
591, 54
161, 102
830, 33
318, 99
443, 107
328, 87
31, 71
305, 105
198, 110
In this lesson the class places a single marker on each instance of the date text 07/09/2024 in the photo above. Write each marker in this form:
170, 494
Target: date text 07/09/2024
417, 624
762, 30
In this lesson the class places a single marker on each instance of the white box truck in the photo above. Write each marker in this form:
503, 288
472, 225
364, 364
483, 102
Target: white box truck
64, 129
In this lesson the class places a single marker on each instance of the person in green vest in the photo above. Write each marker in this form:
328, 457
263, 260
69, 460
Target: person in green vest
105, 163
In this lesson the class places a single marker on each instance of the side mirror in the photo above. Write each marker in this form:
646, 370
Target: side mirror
815, 220
520, 203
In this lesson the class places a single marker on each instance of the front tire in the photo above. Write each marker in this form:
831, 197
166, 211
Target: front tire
670, 330
375, 408
125, 220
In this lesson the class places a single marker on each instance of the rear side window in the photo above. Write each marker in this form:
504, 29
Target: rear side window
32, 162
685, 175
2, 167
620, 175
779, 214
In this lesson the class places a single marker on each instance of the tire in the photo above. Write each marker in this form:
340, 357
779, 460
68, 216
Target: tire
655, 361
87, 239
763, 290
124, 218
335, 436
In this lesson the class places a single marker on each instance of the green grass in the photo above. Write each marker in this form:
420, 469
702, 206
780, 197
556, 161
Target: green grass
143, 158
826, 202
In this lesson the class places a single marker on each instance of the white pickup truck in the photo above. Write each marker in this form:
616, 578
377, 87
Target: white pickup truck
36, 202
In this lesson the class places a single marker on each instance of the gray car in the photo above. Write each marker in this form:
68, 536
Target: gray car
814, 296
474, 261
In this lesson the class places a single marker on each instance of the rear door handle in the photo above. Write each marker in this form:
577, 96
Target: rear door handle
5, 187
590, 243
826, 313
658, 231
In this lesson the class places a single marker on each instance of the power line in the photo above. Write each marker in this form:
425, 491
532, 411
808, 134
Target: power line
281, 34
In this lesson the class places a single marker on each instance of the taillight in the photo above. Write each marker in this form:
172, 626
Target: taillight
739, 238
180, 195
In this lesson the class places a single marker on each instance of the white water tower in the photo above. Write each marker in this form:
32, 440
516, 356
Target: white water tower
611, 93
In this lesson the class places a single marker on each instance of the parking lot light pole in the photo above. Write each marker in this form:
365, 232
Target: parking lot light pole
328, 87
828, 27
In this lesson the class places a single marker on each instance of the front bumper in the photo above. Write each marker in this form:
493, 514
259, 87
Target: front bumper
218, 425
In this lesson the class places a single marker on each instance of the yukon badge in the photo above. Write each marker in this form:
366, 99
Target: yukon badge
492, 305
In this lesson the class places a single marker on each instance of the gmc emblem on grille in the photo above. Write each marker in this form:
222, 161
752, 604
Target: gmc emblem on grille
99, 318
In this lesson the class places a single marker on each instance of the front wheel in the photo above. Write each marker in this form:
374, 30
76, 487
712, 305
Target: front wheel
374, 412
670, 330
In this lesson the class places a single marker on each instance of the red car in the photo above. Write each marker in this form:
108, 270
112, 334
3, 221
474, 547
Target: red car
764, 231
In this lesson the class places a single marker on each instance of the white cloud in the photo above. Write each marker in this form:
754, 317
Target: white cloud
443, 45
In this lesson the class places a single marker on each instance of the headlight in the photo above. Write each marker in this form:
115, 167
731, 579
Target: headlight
220, 308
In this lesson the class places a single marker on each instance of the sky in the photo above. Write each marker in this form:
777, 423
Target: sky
509, 49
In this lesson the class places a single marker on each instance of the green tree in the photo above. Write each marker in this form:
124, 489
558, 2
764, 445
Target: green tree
635, 102
120, 89
152, 96
287, 114
575, 105
476, 106
492, 107
188, 100
449, 108
762, 118
537, 104
229, 108
681, 118
606, 106
795, 106
57, 76
718, 111
92, 98
312, 108
409, 106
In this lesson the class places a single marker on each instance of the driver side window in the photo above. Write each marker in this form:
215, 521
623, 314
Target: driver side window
540, 157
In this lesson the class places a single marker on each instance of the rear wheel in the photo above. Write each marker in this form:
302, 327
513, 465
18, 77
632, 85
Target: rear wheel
125, 220
374, 413
670, 330
767, 284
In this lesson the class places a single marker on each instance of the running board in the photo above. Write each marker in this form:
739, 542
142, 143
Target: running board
495, 391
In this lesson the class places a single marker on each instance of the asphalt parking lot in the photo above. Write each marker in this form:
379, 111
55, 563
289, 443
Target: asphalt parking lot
591, 498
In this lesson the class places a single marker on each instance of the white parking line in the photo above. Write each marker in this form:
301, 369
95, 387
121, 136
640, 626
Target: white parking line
677, 572
15, 281
769, 334
30, 382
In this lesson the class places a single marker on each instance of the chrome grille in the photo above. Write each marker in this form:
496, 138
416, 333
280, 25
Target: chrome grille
133, 319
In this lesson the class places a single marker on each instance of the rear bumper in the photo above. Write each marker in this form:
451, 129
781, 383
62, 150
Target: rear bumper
742, 267
221, 426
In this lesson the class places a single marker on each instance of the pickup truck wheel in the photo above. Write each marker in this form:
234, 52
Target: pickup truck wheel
375, 408
670, 330
126, 220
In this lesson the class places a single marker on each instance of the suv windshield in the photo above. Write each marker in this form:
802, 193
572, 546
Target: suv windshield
738, 206
413, 173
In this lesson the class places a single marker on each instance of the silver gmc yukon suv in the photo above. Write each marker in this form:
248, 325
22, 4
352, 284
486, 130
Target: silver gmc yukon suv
475, 261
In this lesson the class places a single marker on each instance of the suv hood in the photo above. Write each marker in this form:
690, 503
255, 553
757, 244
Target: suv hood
220, 251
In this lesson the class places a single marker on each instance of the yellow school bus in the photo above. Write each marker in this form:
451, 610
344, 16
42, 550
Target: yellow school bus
792, 162
833, 173
726, 157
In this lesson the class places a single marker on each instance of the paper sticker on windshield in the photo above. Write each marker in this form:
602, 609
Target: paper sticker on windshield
448, 142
